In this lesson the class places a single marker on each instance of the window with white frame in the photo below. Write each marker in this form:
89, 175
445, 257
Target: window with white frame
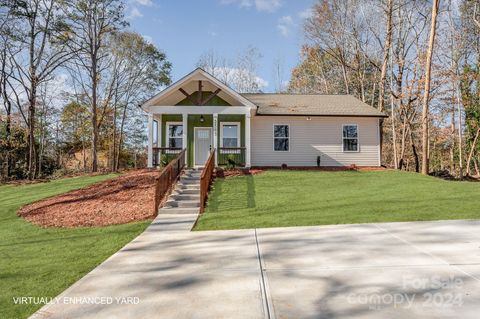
175, 135
230, 134
281, 138
350, 138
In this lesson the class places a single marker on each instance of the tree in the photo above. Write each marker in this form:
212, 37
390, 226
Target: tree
40, 32
426, 93
240, 75
93, 21
139, 69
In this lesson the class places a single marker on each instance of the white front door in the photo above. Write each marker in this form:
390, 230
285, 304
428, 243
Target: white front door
203, 145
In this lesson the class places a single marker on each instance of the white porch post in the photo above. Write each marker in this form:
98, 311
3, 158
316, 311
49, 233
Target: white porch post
247, 140
184, 135
159, 130
150, 141
215, 136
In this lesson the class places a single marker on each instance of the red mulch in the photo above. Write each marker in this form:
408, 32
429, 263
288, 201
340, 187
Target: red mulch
120, 200
238, 172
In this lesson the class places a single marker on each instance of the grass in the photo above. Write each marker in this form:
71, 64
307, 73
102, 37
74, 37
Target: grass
41, 262
302, 198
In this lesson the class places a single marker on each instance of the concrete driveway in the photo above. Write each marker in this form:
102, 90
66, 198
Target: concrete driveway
394, 270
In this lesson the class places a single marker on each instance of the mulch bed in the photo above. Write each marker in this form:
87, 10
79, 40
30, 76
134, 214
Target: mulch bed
120, 200
237, 172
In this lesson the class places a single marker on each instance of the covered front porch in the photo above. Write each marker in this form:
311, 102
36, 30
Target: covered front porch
199, 113
200, 130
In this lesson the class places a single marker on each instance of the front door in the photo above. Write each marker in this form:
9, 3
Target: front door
203, 144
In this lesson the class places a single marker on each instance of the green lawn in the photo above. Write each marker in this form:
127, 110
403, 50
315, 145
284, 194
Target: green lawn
300, 198
43, 262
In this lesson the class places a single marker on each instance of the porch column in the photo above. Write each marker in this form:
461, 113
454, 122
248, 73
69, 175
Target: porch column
247, 140
159, 130
215, 136
184, 135
150, 141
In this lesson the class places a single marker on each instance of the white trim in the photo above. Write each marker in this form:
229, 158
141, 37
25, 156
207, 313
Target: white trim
194, 135
215, 135
167, 134
185, 136
150, 141
248, 159
239, 128
273, 136
379, 146
358, 139
175, 109
159, 133
208, 77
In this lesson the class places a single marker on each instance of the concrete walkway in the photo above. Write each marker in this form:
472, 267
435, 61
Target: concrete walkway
394, 270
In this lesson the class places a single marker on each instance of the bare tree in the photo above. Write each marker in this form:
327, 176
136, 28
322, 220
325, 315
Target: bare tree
92, 22
426, 94
39, 30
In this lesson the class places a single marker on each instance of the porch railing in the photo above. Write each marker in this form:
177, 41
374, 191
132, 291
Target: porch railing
168, 176
231, 156
206, 179
163, 155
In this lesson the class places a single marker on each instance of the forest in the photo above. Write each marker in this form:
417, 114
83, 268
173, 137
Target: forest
73, 73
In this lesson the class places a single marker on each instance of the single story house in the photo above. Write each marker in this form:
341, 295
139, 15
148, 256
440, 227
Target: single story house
201, 114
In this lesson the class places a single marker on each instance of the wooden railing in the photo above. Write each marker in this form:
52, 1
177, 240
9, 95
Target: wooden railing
231, 156
164, 155
167, 178
206, 179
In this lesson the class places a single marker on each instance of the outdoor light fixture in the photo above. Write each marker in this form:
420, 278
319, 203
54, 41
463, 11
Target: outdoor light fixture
202, 119
309, 118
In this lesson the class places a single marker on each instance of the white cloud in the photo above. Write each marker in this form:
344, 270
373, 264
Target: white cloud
260, 5
146, 3
212, 33
285, 24
305, 14
134, 13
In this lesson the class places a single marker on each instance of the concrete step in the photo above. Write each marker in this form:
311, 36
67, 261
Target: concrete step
182, 197
179, 210
185, 191
189, 181
182, 203
188, 186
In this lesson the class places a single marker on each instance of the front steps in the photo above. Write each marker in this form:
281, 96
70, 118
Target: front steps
185, 199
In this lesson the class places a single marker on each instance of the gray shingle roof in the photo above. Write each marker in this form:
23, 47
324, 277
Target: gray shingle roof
311, 104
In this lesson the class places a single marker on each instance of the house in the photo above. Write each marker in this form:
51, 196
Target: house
200, 113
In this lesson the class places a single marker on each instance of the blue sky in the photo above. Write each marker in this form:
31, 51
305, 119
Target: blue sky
186, 29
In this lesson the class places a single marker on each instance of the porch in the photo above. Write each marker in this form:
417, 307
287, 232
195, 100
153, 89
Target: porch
228, 133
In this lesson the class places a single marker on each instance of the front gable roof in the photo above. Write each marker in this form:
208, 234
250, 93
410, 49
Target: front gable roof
173, 95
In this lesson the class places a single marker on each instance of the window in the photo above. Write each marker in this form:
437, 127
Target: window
281, 136
175, 135
350, 138
230, 135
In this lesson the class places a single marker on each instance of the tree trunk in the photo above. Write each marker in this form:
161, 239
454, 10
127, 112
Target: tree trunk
386, 50
472, 149
94, 115
426, 94
31, 132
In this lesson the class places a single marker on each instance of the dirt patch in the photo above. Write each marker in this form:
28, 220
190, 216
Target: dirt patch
120, 200
237, 172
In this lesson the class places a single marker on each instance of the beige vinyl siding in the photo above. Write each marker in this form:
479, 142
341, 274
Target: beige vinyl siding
311, 138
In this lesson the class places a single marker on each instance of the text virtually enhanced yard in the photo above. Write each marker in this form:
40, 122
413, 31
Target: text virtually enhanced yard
279, 198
